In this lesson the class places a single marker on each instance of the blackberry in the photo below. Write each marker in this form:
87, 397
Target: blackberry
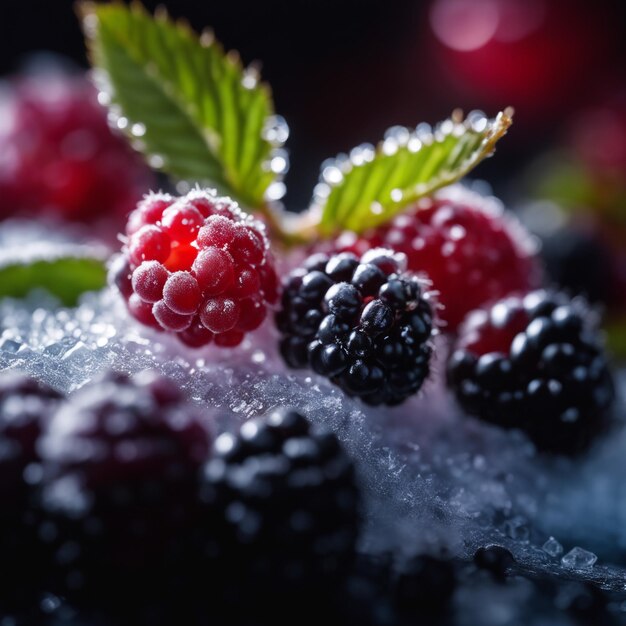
25, 407
535, 363
363, 323
121, 461
281, 503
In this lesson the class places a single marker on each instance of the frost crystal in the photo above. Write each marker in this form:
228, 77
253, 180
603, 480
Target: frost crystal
552, 547
579, 559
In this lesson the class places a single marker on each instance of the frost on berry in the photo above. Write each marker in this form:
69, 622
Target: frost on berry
182, 293
196, 266
471, 250
148, 281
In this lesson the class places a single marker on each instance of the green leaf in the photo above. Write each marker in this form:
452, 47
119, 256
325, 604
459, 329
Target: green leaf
373, 185
65, 276
188, 106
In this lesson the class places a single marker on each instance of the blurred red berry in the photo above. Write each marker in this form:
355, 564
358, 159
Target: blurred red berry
58, 155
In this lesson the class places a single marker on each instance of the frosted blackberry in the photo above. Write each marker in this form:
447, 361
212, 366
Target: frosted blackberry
25, 408
121, 459
535, 363
282, 508
197, 267
364, 323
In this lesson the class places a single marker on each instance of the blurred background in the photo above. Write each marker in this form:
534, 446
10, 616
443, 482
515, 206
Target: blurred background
342, 71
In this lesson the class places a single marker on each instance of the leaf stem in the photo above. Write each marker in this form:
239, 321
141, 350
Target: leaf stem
290, 229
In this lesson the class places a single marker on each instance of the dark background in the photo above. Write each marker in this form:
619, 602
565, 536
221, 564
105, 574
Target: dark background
342, 71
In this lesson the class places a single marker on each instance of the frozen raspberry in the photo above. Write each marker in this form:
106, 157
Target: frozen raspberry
364, 323
465, 244
120, 464
281, 509
25, 408
59, 156
199, 267
534, 363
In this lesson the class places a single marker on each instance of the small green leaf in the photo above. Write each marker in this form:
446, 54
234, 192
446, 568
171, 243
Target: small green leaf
373, 185
64, 276
188, 106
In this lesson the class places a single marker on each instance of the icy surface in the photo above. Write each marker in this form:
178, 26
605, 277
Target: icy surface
434, 480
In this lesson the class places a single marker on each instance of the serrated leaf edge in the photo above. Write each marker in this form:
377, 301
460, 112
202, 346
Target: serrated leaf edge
87, 13
396, 138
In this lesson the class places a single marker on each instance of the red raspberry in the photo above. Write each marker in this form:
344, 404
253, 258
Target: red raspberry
59, 156
471, 250
200, 268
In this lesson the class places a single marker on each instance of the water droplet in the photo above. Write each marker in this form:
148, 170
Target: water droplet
276, 130
397, 195
156, 161
275, 191
279, 163
250, 79
138, 130
332, 175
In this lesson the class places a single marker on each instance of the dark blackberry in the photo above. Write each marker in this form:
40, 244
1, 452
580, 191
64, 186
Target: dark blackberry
121, 463
25, 407
535, 363
363, 323
282, 511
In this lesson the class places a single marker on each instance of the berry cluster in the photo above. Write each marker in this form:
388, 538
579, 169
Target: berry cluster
198, 267
471, 251
364, 323
59, 156
534, 363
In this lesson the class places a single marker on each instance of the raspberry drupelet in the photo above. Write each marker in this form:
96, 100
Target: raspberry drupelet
196, 266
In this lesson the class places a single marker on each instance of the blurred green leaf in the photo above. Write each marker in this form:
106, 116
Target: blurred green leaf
374, 185
189, 107
66, 277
